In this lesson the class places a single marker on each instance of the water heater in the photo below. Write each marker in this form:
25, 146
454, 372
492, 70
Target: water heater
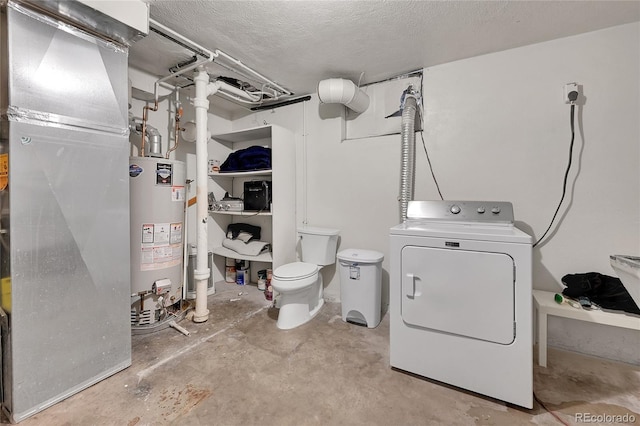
157, 191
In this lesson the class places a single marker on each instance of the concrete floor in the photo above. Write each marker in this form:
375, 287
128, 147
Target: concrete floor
239, 369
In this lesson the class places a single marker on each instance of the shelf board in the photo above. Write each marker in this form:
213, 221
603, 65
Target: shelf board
223, 251
242, 213
266, 172
255, 133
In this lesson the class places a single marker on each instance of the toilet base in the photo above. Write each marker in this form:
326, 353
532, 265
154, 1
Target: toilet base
315, 310
295, 313
298, 307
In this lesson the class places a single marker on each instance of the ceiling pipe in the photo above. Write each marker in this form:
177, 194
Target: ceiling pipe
210, 56
236, 93
177, 37
207, 55
256, 74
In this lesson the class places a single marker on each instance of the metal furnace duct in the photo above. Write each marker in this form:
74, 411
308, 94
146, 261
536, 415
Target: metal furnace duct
64, 257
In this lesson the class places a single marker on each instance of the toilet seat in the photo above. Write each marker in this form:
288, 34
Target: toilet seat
295, 271
294, 276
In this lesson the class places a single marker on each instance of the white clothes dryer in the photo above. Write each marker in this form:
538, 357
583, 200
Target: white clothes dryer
460, 298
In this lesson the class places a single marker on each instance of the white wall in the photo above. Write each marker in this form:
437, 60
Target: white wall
497, 129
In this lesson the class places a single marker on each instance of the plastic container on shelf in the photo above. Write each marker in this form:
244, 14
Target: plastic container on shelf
243, 272
230, 270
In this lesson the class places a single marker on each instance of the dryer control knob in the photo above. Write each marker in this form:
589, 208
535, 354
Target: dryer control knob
480, 210
495, 210
455, 209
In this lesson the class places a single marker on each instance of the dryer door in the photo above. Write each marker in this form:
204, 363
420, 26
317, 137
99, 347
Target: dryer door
466, 293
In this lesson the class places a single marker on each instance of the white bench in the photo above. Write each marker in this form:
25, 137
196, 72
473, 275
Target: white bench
546, 305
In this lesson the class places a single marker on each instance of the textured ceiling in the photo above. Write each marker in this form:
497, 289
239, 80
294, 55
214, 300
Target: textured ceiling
298, 43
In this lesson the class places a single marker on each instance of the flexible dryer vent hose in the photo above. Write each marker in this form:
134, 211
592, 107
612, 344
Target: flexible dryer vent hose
408, 158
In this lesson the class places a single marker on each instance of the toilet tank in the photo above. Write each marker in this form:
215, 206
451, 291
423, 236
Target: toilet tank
318, 245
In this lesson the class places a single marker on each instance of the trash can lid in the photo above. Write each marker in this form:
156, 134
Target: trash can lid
360, 256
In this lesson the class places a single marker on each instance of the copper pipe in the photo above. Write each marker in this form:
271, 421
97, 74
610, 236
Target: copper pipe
177, 129
142, 294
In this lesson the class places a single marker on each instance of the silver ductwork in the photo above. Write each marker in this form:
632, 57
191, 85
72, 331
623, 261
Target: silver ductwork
408, 158
123, 24
151, 134
64, 246
155, 142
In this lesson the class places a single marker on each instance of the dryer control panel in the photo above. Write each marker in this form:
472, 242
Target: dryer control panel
498, 212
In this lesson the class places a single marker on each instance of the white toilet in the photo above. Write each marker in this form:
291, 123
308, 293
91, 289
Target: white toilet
300, 283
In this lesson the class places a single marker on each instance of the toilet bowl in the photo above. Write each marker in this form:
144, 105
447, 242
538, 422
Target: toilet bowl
299, 284
300, 288
628, 270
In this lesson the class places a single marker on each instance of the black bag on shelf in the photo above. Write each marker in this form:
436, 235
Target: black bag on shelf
235, 229
606, 291
248, 159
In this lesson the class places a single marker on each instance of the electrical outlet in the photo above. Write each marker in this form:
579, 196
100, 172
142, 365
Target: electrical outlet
568, 88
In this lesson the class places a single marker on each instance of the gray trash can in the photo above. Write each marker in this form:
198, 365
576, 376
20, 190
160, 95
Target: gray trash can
361, 286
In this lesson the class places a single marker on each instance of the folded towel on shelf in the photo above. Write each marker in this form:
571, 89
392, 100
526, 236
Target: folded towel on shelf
252, 248
245, 237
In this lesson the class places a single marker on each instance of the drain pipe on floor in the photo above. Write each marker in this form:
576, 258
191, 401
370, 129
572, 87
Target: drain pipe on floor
408, 158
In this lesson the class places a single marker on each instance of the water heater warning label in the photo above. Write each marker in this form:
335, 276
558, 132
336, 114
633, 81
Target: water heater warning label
177, 193
147, 233
176, 233
161, 246
161, 233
